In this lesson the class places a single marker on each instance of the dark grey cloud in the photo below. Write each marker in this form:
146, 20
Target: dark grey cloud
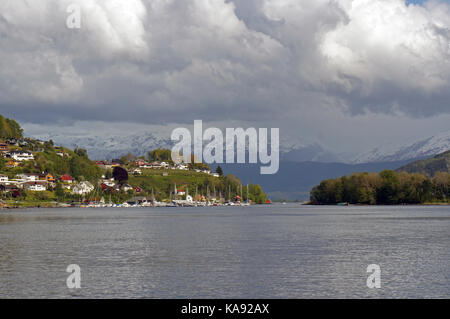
264, 62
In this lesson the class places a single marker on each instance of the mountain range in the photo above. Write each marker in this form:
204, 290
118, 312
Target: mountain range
423, 148
302, 165
114, 146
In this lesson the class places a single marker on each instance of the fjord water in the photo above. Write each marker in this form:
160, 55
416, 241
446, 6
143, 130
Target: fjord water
274, 251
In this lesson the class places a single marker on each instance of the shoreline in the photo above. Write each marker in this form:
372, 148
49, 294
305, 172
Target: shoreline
78, 206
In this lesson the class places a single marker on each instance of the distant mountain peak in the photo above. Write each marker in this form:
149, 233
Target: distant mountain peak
114, 146
427, 147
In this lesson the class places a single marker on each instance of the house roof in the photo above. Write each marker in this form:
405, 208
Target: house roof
36, 183
66, 177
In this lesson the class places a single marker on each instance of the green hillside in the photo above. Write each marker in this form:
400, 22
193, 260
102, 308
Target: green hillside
162, 182
58, 161
9, 128
429, 167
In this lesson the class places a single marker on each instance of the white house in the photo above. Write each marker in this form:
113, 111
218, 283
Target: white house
126, 187
28, 177
82, 188
62, 154
183, 167
21, 156
109, 182
215, 174
35, 186
3, 178
136, 171
164, 164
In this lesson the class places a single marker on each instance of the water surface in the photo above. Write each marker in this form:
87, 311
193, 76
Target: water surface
275, 251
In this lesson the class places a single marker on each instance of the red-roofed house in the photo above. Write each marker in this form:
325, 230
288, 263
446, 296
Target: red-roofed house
66, 178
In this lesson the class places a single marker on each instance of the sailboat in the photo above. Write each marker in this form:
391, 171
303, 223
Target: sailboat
246, 200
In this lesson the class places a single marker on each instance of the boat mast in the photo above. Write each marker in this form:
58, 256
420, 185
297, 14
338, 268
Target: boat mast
175, 191
247, 193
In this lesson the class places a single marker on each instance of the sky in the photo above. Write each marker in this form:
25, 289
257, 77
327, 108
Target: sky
349, 75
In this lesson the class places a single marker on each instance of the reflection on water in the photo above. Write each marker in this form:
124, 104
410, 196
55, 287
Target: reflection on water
277, 251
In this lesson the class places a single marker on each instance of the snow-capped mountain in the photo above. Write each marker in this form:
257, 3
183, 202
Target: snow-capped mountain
424, 148
110, 147
114, 146
313, 152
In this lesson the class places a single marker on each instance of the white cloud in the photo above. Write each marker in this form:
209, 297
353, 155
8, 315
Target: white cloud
388, 42
281, 62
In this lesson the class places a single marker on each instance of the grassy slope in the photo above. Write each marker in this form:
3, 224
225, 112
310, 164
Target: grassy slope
429, 167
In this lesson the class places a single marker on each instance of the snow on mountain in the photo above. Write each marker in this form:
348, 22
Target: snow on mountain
101, 147
308, 153
424, 148
114, 146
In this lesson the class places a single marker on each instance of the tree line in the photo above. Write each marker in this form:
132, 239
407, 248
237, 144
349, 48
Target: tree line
10, 128
385, 188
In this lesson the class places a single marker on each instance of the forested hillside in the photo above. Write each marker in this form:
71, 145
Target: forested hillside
429, 167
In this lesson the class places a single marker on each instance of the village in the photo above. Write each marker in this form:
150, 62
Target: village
16, 182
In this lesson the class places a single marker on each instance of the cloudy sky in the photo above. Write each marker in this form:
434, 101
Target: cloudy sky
350, 74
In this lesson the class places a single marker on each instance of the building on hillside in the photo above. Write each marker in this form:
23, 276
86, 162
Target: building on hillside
110, 165
12, 141
3, 147
136, 171
62, 154
8, 188
82, 188
104, 186
138, 163
126, 187
100, 164
182, 167
66, 178
35, 186
48, 177
11, 164
109, 182
21, 156
156, 165
164, 165
27, 177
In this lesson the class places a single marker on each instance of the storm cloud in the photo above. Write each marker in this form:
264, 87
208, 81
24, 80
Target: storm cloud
256, 61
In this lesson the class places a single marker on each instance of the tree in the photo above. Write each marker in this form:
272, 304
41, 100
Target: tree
126, 159
120, 175
388, 192
108, 174
59, 191
256, 194
388, 187
81, 152
160, 154
219, 170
